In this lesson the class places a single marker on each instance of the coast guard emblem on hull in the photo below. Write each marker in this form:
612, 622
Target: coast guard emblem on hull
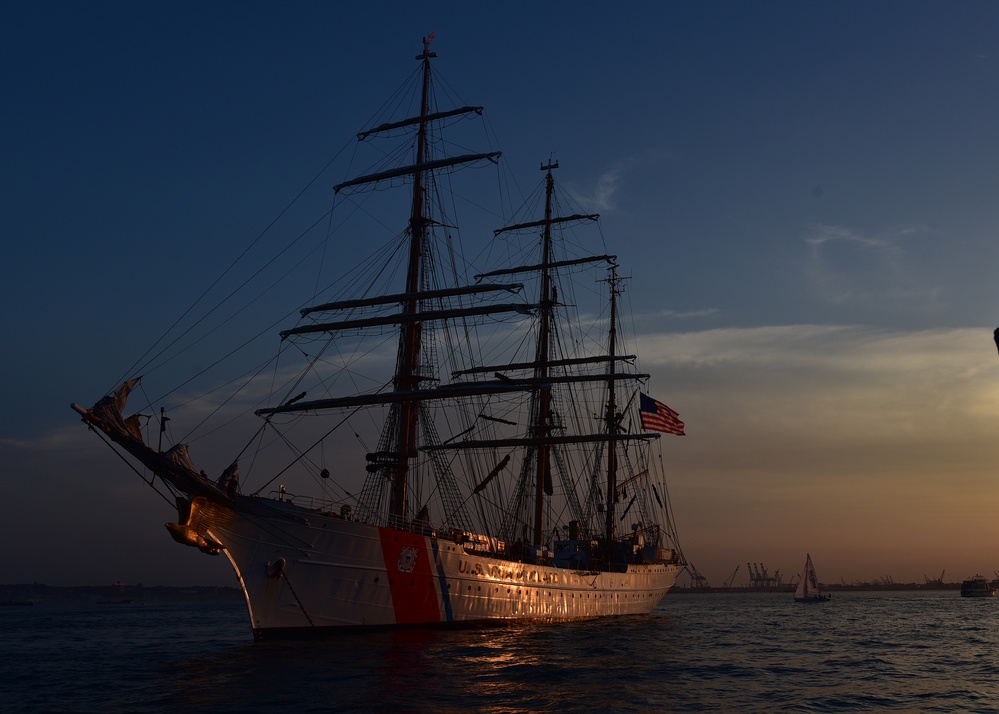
407, 560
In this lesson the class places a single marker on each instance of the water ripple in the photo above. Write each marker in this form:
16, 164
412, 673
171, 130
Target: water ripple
926, 652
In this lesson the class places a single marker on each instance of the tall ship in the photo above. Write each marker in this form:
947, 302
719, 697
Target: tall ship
450, 431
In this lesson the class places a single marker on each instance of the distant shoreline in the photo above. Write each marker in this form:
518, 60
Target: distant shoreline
116, 594
863, 587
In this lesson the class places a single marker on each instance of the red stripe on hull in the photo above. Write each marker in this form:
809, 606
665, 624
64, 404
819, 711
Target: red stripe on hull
409, 564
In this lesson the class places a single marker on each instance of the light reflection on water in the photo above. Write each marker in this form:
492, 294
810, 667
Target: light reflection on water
885, 650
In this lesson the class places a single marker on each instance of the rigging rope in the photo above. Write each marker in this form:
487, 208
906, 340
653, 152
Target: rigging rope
149, 483
231, 266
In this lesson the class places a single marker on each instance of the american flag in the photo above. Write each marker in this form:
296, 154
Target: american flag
656, 416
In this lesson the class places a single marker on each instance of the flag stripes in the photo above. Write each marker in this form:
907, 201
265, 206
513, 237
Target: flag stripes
656, 416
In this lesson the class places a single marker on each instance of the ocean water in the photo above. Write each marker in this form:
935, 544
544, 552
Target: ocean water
871, 651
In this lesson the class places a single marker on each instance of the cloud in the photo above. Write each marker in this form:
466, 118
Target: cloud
848, 440
890, 372
684, 315
61, 439
601, 197
847, 266
819, 234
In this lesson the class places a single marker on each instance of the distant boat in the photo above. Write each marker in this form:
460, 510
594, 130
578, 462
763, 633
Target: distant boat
978, 586
808, 586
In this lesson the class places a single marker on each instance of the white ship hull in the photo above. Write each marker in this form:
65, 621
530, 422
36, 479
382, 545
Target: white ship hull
304, 572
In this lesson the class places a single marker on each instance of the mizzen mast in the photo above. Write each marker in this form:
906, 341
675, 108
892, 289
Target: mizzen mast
612, 418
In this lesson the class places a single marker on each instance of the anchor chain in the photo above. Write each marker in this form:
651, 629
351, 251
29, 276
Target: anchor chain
284, 576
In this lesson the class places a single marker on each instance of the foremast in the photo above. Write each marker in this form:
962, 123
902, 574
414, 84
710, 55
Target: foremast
410, 334
395, 456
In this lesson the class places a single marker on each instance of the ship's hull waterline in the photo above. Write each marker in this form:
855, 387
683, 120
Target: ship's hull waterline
316, 574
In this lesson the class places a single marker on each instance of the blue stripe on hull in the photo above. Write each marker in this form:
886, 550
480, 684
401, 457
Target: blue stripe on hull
445, 594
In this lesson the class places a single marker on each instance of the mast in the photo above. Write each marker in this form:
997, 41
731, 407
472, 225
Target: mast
611, 413
410, 333
546, 309
398, 445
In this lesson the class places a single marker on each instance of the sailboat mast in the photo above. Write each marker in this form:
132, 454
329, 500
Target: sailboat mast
546, 308
407, 377
611, 411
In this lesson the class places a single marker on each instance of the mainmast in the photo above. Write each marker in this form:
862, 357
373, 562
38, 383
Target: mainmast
546, 369
407, 367
546, 309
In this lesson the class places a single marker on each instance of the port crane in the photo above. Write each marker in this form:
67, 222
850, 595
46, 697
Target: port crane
728, 583
760, 578
937, 581
696, 579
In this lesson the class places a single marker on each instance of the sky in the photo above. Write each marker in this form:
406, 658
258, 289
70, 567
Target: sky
804, 194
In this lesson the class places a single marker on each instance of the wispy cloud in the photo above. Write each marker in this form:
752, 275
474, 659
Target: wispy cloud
939, 360
891, 431
819, 234
60, 439
847, 266
602, 196
689, 314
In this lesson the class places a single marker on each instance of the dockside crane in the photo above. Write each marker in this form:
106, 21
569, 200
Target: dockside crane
696, 579
937, 581
728, 583
760, 578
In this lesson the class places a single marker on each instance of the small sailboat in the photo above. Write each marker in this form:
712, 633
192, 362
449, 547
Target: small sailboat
808, 585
